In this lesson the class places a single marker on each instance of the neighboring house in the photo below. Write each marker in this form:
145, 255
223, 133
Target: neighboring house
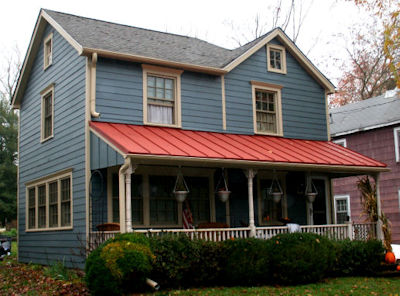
111, 114
371, 127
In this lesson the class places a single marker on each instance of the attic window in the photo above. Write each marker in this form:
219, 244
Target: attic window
48, 51
276, 56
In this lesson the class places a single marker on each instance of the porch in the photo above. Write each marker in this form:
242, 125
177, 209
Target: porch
272, 182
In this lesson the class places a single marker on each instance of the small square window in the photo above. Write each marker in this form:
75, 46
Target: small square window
276, 58
48, 51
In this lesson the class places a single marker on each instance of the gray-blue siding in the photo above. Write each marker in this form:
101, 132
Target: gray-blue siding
120, 97
66, 150
303, 105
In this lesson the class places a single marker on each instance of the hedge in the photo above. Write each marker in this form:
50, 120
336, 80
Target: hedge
121, 265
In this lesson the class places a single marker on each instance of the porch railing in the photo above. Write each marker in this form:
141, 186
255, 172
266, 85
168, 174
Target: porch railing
358, 231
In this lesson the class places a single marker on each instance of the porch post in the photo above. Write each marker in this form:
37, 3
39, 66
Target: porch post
379, 233
121, 187
250, 173
128, 203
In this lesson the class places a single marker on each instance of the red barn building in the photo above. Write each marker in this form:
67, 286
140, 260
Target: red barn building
372, 128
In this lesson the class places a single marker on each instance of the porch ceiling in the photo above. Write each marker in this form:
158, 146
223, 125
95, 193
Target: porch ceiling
163, 144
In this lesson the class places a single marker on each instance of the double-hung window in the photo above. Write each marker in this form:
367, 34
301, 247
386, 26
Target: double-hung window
396, 134
48, 51
49, 203
267, 108
161, 96
47, 116
276, 58
342, 208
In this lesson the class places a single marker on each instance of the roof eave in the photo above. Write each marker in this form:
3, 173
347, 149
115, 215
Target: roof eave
300, 57
364, 129
143, 59
34, 44
149, 158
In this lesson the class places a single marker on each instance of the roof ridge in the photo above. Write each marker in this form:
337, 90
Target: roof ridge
136, 27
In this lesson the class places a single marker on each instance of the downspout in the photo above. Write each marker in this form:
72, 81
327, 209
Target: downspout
121, 176
93, 112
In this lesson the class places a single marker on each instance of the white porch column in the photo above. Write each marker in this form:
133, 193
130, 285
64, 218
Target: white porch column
128, 203
121, 187
379, 233
250, 173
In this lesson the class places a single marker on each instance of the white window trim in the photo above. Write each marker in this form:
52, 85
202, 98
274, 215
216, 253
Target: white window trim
48, 38
46, 181
396, 134
283, 58
347, 198
167, 73
341, 142
43, 94
145, 172
268, 87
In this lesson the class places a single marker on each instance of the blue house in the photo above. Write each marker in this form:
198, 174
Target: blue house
115, 120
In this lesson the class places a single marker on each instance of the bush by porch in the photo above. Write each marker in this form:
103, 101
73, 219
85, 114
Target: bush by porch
284, 259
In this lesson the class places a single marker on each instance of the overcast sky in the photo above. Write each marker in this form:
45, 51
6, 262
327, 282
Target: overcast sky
206, 19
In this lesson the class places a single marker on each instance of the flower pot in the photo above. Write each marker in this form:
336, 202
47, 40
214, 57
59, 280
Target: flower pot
180, 195
276, 196
311, 196
223, 195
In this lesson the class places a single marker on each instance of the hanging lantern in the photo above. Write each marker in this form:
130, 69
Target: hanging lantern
311, 192
181, 189
275, 190
222, 189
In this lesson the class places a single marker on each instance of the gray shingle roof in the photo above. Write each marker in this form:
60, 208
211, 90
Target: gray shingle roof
375, 112
96, 34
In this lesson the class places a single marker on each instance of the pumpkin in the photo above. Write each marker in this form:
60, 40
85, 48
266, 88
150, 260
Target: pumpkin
390, 258
398, 267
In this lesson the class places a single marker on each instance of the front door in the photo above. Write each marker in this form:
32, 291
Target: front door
319, 205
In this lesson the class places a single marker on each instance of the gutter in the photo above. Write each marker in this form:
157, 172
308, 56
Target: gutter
93, 62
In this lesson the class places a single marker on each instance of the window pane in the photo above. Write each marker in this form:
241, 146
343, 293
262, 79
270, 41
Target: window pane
163, 206
151, 92
53, 204
42, 206
160, 114
169, 84
31, 206
151, 81
66, 202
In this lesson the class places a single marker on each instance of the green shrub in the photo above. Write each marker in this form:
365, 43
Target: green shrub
120, 265
247, 262
12, 233
358, 258
300, 258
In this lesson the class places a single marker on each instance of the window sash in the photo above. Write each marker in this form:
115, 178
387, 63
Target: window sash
48, 114
52, 205
276, 58
266, 111
161, 99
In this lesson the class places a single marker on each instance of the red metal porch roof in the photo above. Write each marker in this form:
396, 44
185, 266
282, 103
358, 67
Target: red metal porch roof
163, 141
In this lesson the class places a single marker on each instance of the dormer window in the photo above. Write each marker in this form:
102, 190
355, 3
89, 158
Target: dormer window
48, 51
276, 56
267, 114
161, 96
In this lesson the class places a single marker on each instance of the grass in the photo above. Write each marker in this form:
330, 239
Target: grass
337, 286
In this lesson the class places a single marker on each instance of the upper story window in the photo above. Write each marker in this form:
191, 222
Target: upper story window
48, 51
396, 132
47, 117
342, 208
341, 142
276, 56
161, 96
267, 111
49, 203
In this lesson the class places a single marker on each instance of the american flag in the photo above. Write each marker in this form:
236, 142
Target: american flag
187, 217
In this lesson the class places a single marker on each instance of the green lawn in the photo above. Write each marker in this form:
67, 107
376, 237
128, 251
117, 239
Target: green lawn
337, 286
